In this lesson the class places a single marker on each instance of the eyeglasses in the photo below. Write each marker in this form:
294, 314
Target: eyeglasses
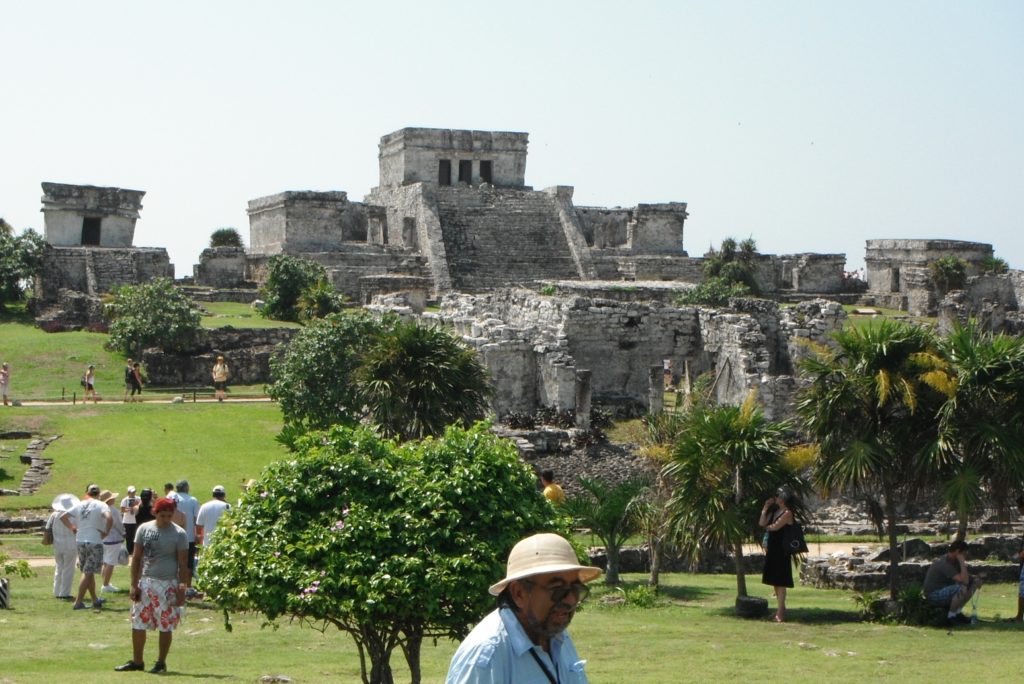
558, 592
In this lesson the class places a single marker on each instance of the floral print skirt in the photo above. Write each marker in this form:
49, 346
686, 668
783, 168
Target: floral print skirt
157, 607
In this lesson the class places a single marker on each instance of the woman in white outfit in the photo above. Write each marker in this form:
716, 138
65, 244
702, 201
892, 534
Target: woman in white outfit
65, 550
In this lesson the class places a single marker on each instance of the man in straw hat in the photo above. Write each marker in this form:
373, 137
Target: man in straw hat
524, 640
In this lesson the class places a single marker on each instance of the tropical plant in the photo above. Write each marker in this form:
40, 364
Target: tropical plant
726, 462
152, 314
314, 380
416, 380
714, 291
287, 278
604, 508
20, 259
733, 263
226, 237
652, 519
874, 416
981, 425
994, 265
948, 273
319, 300
391, 544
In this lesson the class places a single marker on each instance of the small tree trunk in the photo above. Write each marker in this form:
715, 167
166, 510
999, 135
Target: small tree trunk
411, 648
894, 561
741, 577
611, 575
961, 530
654, 553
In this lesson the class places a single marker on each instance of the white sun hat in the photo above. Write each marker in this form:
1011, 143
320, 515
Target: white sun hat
64, 502
540, 554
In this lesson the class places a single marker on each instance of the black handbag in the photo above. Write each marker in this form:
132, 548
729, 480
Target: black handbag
793, 539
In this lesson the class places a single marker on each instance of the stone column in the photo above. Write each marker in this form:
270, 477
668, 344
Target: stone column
656, 393
583, 390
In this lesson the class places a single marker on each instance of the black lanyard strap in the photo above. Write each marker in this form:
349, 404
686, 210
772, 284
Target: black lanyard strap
553, 678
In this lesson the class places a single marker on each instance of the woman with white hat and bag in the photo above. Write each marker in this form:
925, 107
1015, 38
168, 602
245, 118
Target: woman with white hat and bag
65, 550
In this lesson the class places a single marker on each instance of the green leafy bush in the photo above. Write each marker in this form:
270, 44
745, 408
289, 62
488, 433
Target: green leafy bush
319, 300
714, 291
392, 544
288, 278
411, 381
153, 314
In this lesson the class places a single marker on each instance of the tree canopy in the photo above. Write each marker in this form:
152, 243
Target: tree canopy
872, 407
153, 314
20, 259
389, 543
728, 273
409, 380
726, 460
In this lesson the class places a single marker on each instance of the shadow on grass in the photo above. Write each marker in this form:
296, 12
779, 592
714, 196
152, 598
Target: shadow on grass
14, 312
803, 616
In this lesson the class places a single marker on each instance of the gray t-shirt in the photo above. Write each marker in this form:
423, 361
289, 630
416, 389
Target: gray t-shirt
160, 547
940, 574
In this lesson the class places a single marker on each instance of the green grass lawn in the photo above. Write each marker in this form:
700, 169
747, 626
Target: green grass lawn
220, 314
146, 445
690, 636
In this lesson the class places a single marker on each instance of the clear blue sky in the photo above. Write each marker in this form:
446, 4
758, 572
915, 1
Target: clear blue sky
809, 126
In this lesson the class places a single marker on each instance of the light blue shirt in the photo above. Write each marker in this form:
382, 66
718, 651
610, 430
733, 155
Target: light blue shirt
497, 651
189, 505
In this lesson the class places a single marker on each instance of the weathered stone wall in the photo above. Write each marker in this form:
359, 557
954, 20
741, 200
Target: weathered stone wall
220, 267
65, 208
246, 351
96, 270
304, 221
622, 341
412, 155
657, 228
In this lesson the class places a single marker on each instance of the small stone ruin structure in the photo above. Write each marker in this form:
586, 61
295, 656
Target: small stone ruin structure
89, 232
452, 213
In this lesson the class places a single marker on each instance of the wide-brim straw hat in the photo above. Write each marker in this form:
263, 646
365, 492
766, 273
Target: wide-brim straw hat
106, 496
540, 554
64, 502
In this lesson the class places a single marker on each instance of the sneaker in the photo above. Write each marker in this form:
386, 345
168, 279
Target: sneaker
192, 593
109, 588
98, 603
78, 606
130, 666
961, 619
158, 667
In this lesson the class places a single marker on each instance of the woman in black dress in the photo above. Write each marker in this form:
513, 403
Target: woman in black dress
778, 566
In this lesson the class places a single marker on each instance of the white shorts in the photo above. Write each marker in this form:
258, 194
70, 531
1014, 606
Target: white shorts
110, 553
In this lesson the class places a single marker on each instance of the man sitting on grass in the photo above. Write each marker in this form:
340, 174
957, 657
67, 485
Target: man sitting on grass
948, 584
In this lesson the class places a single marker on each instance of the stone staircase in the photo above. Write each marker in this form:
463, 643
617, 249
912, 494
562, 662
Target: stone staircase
495, 237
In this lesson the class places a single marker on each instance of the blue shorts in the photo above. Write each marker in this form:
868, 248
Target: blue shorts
942, 597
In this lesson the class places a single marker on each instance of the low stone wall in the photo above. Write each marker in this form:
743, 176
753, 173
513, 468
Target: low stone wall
992, 558
247, 352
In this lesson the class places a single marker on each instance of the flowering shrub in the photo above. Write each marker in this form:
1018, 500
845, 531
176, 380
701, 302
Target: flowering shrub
390, 543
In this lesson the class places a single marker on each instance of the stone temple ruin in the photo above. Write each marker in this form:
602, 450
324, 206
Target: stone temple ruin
452, 213
89, 233
452, 219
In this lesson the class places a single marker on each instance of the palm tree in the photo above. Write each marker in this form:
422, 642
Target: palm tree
873, 415
726, 461
417, 380
606, 510
981, 423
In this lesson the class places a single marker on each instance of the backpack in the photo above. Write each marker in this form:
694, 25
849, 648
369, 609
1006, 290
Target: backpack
47, 534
